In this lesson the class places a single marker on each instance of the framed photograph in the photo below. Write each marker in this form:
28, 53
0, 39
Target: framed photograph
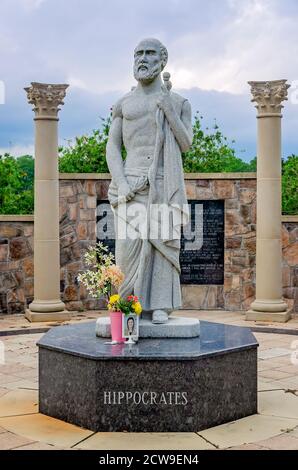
130, 326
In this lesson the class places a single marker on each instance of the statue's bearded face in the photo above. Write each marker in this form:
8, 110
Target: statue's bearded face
148, 62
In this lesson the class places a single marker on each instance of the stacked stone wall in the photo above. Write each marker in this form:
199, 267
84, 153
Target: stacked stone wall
78, 199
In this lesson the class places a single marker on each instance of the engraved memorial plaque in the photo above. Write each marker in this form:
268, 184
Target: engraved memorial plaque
202, 244
202, 240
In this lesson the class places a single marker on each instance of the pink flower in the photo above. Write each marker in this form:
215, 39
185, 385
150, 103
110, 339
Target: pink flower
133, 298
113, 274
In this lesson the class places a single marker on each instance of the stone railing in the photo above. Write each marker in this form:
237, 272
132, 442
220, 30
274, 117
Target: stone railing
79, 194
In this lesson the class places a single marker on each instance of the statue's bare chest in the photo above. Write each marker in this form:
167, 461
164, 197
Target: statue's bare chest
137, 108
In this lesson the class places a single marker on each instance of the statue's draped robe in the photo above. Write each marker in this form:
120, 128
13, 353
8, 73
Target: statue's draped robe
151, 264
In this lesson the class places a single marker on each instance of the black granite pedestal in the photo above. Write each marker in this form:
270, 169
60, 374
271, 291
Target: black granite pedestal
156, 385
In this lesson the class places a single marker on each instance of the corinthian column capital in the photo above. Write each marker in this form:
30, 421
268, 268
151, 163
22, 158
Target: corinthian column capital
46, 99
268, 96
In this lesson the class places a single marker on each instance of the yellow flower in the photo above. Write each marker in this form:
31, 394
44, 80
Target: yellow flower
137, 307
114, 298
110, 307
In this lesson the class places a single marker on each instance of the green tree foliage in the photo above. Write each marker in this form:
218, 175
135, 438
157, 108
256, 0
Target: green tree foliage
210, 153
290, 185
88, 153
26, 166
16, 184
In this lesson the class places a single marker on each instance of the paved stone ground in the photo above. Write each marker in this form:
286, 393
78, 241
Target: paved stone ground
275, 427
17, 322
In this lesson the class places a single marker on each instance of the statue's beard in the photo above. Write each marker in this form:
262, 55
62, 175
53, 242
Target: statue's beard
148, 74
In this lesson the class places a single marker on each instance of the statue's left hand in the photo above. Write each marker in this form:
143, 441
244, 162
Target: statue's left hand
164, 100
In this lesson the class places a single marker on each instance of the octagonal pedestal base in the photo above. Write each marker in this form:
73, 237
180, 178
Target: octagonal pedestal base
157, 385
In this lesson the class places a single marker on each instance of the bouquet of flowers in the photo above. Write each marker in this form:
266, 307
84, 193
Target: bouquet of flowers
104, 274
129, 305
103, 277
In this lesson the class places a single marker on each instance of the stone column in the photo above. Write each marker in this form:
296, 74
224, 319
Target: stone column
47, 305
269, 304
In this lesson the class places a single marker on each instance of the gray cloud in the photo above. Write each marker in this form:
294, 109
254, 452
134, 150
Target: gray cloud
214, 48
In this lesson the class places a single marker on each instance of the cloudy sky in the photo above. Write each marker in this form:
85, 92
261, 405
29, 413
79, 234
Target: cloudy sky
214, 46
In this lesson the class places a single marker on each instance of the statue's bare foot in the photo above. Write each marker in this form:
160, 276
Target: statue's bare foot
159, 316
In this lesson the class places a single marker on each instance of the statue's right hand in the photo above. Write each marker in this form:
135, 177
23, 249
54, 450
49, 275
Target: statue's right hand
124, 190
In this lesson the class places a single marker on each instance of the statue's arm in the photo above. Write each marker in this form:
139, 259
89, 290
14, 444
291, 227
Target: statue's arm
180, 125
114, 157
186, 121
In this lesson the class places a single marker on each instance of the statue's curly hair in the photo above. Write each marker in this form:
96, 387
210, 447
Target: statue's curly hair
164, 55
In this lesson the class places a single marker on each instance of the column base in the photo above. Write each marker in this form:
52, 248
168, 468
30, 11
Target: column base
281, 317
47, 316
268, 305
44, 306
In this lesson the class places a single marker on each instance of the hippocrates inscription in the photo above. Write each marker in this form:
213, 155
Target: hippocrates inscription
202, 240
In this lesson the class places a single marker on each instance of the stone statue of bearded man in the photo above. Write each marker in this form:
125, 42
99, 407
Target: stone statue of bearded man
153, 125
